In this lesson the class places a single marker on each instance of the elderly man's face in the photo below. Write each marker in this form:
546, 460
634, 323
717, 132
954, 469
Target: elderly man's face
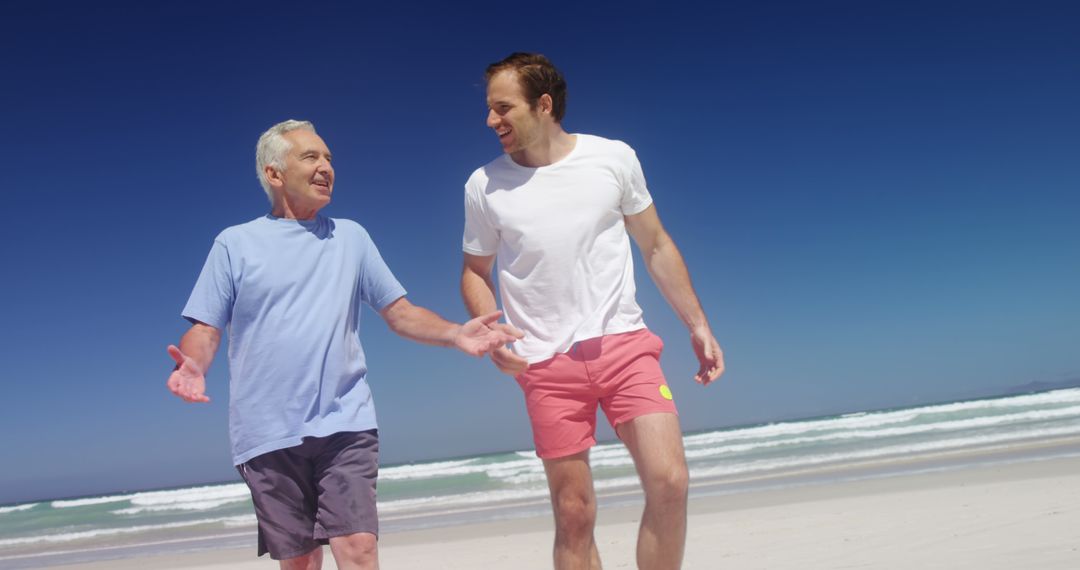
308, 179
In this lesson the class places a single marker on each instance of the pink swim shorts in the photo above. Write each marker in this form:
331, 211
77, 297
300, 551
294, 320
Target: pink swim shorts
620, 372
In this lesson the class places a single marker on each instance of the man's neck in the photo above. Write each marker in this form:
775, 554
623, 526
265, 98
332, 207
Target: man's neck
553, 147
282, 209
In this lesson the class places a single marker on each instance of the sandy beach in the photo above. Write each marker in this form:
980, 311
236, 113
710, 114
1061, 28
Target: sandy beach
1005, 515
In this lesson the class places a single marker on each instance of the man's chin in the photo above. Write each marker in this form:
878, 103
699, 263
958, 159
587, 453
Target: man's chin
319, 203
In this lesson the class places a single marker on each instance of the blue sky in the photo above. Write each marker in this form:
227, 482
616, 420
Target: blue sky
878, 202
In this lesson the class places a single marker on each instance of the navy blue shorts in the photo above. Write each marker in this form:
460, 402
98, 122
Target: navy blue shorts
307, 494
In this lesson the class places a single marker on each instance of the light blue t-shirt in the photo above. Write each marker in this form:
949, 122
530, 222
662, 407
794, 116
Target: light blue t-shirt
289, 293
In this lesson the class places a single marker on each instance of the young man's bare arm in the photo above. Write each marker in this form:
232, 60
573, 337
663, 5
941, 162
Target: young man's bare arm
477, 286
668, 270
193, 358
478, 292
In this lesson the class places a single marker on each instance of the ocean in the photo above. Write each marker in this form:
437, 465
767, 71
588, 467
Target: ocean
512, 484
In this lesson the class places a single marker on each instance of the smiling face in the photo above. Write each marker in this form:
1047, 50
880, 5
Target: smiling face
307, 182
518, 125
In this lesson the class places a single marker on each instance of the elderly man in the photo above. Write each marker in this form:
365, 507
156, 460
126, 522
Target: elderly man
289, 286
556, 209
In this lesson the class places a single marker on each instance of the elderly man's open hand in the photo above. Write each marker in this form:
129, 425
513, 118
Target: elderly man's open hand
484, 334
187, 381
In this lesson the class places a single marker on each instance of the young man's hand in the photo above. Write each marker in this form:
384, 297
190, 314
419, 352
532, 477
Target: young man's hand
708, 354
507, 362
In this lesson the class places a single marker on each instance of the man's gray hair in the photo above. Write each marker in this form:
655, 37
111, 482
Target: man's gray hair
272, 148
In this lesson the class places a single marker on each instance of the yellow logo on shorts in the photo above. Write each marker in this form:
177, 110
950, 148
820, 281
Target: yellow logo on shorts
665, 391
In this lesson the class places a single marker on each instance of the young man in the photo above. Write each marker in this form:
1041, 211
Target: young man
555, 209
289, 286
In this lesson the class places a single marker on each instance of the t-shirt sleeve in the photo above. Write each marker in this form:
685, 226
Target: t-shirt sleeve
378, 286
211, 300
480, 236
635, 197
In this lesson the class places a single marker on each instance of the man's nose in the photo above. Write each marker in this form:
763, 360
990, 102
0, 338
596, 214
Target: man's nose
492, 118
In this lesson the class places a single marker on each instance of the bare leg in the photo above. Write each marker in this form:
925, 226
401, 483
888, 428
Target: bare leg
574, 503
310, 561
359, 551
655, 442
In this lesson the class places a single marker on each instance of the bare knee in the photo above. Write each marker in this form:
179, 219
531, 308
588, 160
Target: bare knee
671, 486
359, 549
310, 561
575, 514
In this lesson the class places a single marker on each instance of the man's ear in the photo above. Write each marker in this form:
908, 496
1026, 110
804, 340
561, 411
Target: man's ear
273, 176
545, 103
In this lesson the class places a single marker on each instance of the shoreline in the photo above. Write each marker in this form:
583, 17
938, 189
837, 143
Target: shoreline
996, 508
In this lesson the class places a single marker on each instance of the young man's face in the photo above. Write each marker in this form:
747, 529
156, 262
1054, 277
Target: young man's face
517, 126
308, 179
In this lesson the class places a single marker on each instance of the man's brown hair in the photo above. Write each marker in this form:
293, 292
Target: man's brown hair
537, 76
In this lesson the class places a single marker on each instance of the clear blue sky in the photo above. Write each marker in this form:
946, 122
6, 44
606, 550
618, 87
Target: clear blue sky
879, 202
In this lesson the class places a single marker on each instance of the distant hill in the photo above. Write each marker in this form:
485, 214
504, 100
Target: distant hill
1028, 388
1041, 386
939, 398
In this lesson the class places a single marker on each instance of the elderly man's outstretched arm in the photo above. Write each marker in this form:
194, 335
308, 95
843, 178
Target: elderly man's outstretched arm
476, 337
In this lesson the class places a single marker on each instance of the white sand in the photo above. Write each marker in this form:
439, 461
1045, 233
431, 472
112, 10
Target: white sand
1016, 516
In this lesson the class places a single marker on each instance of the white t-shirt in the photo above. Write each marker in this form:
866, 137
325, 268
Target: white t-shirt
565, 268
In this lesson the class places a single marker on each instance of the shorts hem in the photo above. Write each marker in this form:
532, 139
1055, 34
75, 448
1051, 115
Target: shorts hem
346, 532
292, 554
565, 451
